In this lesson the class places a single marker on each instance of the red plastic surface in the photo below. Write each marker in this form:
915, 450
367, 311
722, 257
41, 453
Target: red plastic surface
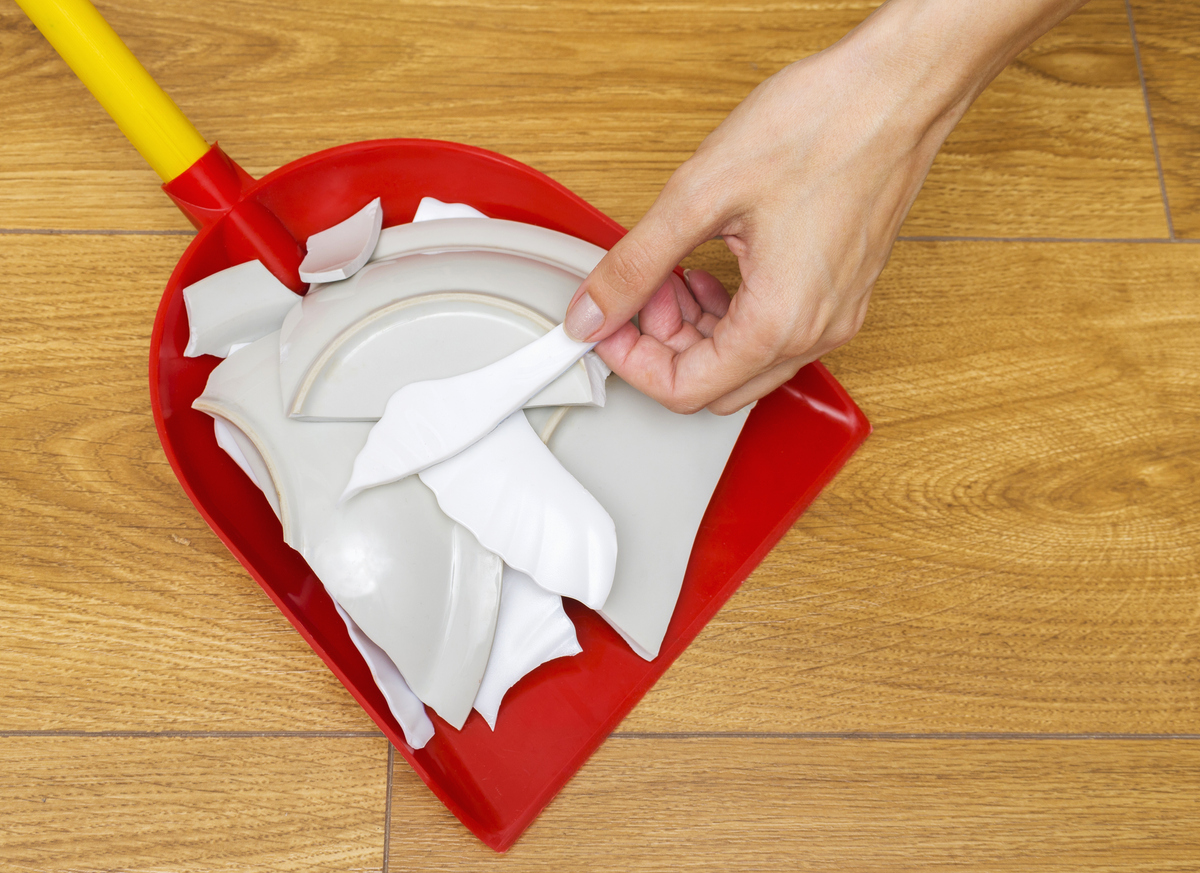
551, 722
214, 190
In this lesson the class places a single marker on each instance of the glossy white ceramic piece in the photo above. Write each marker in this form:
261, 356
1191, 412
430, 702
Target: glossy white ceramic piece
340, 251
431, 209
424, 423
531, 629
343, 332
427, 336
420, 586
525, 241
654, 471
237, 305
519, 501
405, 706
403, 703
246, 455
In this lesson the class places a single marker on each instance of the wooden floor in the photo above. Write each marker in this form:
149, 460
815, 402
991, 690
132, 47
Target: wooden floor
978, 650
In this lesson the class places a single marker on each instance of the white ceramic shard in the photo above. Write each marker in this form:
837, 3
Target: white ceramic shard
424, 337
519, 501
527, 241
457, 590
340, 251
531, 629
417, 584
432, 209
237, 305
246, 455
654, 471
404, 705
224, 431
425, 423
351, 325
526, 264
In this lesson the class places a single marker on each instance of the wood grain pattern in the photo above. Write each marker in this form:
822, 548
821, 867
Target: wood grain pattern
1012, 555
1057, 146
137, 804
608, 99
119, 608
1017, 545
705, 804
1169, 35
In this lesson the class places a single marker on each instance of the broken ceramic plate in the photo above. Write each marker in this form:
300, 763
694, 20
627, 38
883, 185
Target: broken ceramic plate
387, 589
526, 241
404, 705
520, 263
420, 586
416, 338
237, 305
432, 209
425, 423
340, 251
519, 501
246, 455
654, 471
531, 629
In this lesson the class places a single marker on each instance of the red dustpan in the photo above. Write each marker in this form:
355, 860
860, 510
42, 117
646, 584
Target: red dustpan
551, 722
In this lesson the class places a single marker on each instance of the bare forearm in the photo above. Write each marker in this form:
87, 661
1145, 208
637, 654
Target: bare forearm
940, 54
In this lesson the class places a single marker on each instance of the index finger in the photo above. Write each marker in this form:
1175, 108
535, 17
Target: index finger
633, 269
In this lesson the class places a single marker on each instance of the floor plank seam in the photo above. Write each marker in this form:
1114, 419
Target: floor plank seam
1173, 240
332, 735
1153, 240
53, 231
1137, 56
387, 806
887, 735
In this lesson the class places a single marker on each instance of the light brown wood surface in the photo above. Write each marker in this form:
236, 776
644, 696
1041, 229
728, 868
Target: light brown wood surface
607, 98
1169, 38
833, 804
914, 678
192, 803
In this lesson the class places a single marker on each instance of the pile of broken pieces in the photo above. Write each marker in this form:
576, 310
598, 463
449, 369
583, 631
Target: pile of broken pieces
446, 460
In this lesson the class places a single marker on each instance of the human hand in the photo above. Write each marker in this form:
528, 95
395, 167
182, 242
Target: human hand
808, 182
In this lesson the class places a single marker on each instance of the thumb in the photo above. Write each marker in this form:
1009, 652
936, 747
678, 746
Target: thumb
636, 266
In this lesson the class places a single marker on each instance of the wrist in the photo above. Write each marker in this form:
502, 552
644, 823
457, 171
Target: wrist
937, 56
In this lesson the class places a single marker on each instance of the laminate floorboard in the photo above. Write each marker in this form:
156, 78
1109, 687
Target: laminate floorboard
189, 804
1016, 546
827, 804
1169, 37
119, 608
606, 99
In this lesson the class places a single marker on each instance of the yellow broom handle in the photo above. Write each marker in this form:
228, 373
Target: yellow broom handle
146, 115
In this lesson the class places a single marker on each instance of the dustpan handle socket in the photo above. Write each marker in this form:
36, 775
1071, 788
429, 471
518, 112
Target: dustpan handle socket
214, 189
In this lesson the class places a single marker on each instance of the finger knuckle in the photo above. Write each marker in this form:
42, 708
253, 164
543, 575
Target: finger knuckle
684, 405
698, 204
629, 270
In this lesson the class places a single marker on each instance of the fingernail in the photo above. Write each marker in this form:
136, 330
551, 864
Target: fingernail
687, 279
583, 319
